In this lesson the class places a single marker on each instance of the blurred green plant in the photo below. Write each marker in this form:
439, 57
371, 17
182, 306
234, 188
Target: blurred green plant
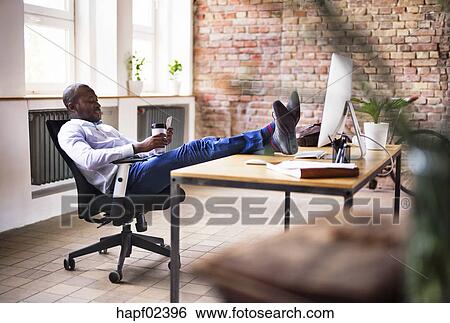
135, 64
429, 246
376, 106
174, 68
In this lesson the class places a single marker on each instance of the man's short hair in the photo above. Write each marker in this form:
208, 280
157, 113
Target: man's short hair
70, 93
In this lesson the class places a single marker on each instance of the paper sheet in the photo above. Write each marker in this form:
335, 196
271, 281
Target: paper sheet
299, 164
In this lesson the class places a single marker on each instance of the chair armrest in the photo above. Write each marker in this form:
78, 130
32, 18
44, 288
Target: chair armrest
121, 180
130, 160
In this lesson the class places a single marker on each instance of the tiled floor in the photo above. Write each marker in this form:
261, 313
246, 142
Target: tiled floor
31, 257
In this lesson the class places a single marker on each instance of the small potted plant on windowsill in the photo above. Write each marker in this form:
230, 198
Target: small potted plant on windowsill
375, 107
135, 84
174, 84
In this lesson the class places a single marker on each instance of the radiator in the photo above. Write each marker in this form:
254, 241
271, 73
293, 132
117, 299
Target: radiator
158, 114
47, 165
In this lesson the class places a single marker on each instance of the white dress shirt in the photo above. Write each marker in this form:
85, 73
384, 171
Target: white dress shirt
93, 147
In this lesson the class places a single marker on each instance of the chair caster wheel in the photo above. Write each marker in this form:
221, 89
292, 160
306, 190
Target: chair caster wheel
69, 264
103, 252
115, 277
166, 246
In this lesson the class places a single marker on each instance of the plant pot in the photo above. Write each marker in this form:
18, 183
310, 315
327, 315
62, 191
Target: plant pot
135, 87
377, 132
174, 87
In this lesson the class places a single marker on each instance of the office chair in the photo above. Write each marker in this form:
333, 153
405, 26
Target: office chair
118, 209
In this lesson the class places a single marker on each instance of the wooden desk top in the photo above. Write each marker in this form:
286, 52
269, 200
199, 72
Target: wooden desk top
233, 168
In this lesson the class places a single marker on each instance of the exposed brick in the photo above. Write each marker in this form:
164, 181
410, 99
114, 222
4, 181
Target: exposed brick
410, 40
249, 53
410, 70
398, 40
412, 9
402, 32
422, 55
423, 47
435, 103
419, 116
411, 17
384, 33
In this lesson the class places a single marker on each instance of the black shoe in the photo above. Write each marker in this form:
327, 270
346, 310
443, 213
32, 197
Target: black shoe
284, 134
293, 106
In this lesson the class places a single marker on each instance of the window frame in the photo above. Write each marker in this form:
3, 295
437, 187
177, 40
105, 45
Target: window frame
51, 12
148, 33
53, 18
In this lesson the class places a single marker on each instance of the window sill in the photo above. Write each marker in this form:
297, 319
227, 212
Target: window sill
38, 191
59, 97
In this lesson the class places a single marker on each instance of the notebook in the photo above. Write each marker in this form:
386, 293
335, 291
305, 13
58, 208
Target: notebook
318, 154
306, 169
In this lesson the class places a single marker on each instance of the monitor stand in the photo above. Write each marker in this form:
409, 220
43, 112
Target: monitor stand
361, 142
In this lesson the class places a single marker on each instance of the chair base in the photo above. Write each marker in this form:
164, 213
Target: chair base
126, 240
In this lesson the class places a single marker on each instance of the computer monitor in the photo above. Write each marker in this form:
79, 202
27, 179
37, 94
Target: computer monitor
339, 91
337, 102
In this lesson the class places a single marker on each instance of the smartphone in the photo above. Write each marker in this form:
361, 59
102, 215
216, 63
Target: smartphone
169, 122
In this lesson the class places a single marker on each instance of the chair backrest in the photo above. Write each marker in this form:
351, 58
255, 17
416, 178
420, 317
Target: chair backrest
86, 191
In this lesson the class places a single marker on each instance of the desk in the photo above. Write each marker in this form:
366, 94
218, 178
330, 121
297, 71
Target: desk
232, 172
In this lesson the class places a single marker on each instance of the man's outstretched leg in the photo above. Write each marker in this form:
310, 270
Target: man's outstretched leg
153, 175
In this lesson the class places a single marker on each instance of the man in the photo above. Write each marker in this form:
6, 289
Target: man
93, 145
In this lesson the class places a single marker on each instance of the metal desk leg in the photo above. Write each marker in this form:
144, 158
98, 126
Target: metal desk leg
398, 172
174, 242
348, 204
287, 210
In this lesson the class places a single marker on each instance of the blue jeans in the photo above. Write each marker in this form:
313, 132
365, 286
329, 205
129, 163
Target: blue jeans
153, 175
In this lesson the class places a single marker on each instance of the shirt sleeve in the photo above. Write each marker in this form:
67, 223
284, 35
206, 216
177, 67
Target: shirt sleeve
73, 142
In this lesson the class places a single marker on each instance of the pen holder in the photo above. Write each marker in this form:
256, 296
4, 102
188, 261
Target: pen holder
342, 155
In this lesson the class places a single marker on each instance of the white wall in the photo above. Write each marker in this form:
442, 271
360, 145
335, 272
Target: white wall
124, 42
15, 174
83, 41
181, 35
174, 41
17, 208
12, 59
106, 59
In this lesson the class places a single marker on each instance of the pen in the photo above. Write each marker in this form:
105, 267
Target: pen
333, 146
338, 155
344, 157
331, 141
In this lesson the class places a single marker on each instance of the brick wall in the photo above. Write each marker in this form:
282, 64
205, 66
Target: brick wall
249, 53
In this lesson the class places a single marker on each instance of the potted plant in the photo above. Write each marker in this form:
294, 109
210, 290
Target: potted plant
135, 84
174, 85
375, 107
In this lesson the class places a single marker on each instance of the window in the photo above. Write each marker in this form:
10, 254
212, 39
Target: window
144, 39
49, 45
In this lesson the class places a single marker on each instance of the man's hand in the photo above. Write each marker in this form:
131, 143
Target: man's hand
169, 135
157, 141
